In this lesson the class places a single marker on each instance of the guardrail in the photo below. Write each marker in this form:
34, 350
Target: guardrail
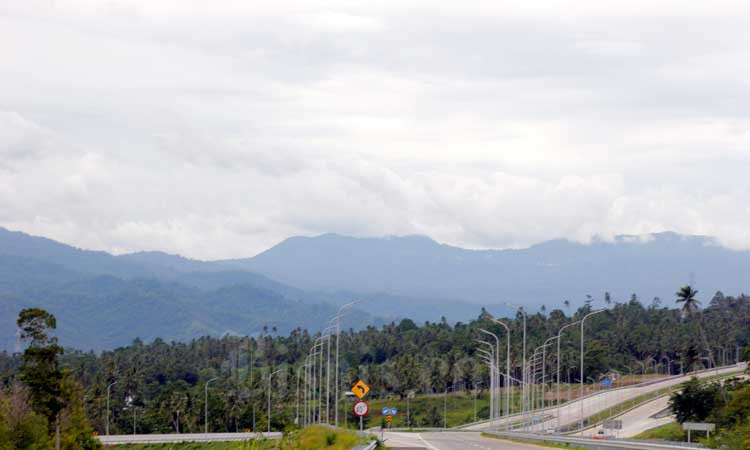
183, 437
592, 444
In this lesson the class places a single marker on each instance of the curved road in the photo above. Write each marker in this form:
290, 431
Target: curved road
571, 412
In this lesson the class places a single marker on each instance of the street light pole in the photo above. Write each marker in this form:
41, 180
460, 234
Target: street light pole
338, 334
268, 419
582, 377
108, 388
557, 377
205, 417
524, 392
507, 366
497, 366
490, 355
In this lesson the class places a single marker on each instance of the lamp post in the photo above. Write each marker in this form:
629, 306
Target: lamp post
109, 386
338, 334
582, 377
497, 366
445, 407
490, 355
559, 357
268, 419
205, 417
507, 366
523, 360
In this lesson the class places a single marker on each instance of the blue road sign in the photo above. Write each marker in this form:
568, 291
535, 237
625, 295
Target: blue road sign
607, 382
386, 411
394, 411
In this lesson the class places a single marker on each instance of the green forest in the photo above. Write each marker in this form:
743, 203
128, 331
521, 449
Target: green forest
161, 386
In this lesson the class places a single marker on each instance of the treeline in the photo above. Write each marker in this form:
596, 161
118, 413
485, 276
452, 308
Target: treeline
161, 387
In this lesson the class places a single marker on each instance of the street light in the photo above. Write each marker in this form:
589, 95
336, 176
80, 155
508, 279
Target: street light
205, 417
338, 333
491, 356
507, 366
523, 360
445, 407
559, 357
268, 419
497, 366
108, 388
582, 377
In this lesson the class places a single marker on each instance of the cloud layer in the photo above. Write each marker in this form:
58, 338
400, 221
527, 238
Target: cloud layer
217, 129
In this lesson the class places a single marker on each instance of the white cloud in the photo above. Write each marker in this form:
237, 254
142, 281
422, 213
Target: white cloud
216, 129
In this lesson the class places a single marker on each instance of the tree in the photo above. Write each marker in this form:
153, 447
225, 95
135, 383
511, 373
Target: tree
40, 367
686, 296
695, 402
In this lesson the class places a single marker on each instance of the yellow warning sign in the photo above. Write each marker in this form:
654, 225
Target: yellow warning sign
360, 389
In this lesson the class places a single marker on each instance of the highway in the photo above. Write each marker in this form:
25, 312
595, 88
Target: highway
182, 437
571, 412
450, 440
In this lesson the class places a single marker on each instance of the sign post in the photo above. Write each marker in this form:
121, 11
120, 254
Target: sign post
707, 427
360, 389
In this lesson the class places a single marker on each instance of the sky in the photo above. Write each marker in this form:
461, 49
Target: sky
217, 129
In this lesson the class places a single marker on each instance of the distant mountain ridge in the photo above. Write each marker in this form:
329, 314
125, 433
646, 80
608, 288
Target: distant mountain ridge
104, 300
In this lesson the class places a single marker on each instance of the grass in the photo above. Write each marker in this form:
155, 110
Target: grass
311, 438
669, 432
538, 444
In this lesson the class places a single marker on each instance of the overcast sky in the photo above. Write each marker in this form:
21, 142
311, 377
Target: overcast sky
215, 129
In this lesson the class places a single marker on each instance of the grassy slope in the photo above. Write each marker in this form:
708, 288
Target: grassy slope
312, 438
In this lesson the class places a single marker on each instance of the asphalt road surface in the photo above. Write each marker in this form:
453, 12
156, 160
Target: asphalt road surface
450, 440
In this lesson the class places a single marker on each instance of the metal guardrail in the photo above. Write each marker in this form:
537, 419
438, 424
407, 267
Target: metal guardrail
593, 444
183, 437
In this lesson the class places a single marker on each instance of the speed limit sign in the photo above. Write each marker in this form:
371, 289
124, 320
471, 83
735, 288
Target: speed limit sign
361, 408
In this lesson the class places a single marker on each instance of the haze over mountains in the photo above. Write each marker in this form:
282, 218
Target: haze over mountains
102, 300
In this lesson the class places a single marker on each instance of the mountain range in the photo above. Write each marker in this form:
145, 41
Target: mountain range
104, 301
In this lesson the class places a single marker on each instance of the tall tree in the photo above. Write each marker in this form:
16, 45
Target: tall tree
686, 296
40, 370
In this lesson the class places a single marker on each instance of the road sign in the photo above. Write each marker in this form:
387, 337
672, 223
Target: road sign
394, 411
386, 411
388, 418
698, 426
360, 389
612, 424
361, 408
607, 382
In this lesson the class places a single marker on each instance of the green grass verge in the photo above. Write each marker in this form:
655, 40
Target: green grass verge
311, 438
538, 444
669, 432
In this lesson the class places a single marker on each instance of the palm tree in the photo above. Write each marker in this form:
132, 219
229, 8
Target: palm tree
686, 296
567, 303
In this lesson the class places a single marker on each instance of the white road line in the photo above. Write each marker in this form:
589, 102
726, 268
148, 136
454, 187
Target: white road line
430, 446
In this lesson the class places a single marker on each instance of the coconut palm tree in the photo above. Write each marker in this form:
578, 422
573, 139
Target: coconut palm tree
686, 296
690, 304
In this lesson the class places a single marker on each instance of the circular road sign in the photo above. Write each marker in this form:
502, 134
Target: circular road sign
360, 408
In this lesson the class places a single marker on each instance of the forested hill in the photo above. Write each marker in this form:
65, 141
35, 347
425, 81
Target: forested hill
547, 273
105, 300
395, 358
